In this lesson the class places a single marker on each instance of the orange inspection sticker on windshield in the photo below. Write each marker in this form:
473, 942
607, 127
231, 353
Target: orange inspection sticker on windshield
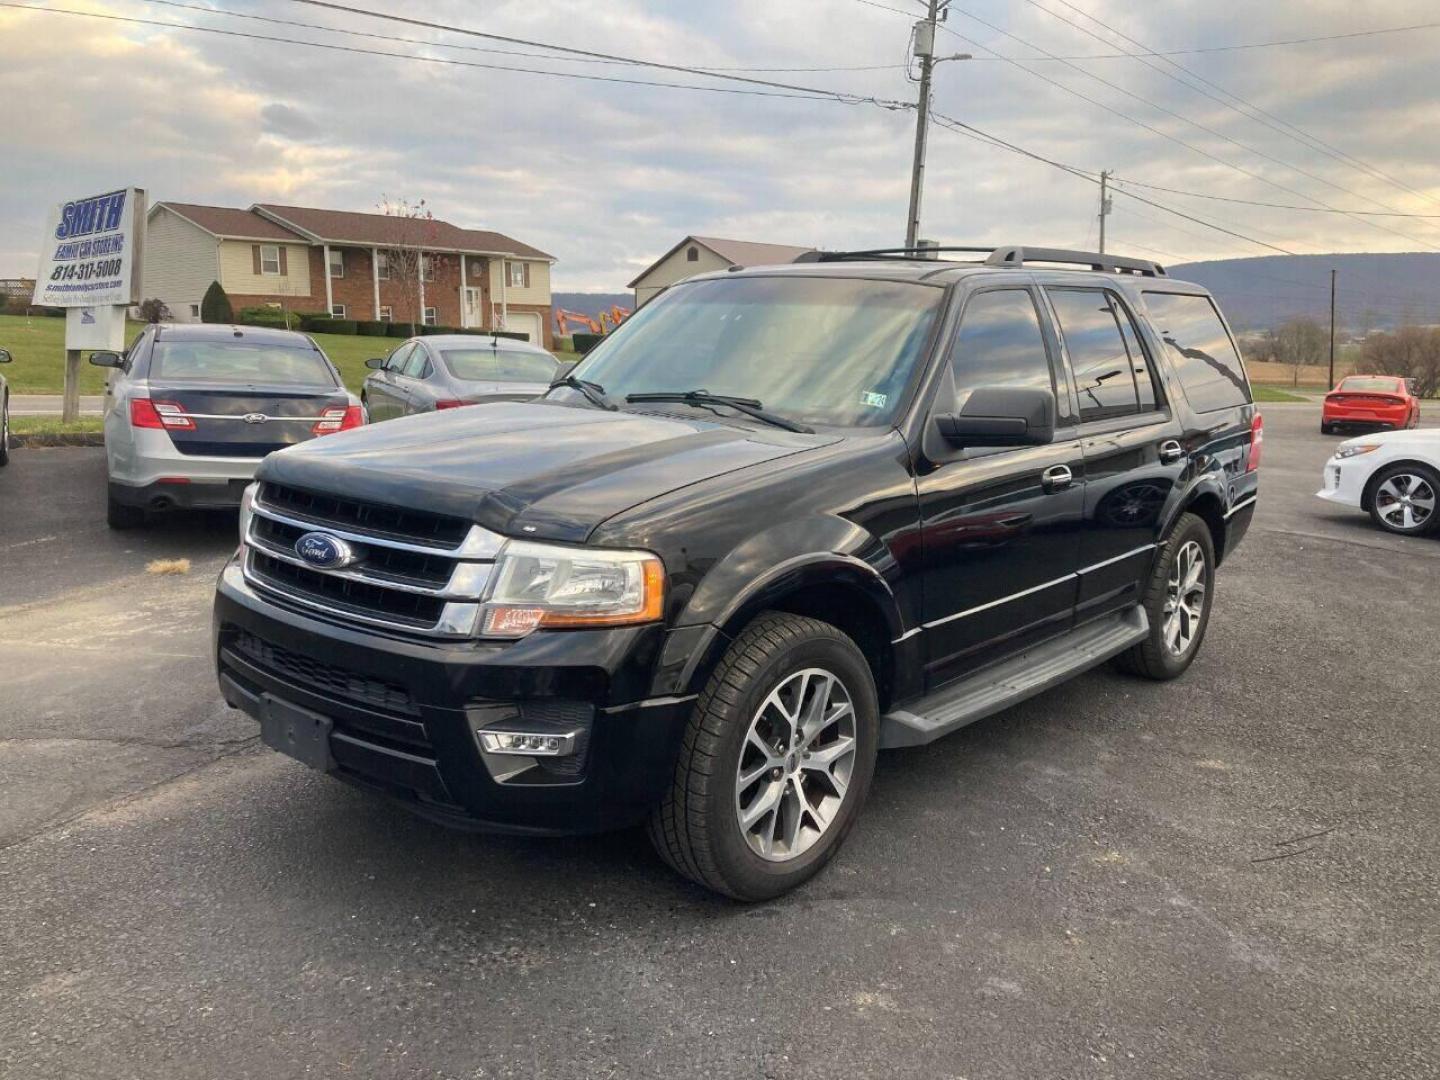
874, 400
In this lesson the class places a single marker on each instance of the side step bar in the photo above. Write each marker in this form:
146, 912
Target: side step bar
925, 719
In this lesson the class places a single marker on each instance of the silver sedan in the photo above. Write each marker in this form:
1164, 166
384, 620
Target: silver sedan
444, 371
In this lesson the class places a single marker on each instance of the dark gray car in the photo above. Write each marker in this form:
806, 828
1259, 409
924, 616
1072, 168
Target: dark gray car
444, 371
4, 413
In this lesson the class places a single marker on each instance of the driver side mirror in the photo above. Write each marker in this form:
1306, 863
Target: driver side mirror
4, 356
108, 359
1001, 416
375, 363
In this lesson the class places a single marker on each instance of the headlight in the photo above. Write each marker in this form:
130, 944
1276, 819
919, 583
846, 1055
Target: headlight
538, 586
1352, 451
247, 502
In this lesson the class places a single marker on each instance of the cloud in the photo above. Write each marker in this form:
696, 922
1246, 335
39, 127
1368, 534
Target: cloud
607, 175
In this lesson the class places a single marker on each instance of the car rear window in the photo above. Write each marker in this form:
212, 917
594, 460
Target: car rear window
1359, 384
239, 362
500, 365
1200, 348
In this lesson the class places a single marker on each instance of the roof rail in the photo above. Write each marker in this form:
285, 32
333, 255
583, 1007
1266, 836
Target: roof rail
1009, 255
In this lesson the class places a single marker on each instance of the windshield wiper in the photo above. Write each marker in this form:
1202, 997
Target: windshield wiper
705, 399
593, 391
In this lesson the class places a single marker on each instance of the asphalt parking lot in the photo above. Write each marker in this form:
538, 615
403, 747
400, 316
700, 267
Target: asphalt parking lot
1233, 875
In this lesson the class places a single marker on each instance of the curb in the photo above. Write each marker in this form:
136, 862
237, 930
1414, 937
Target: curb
79, 438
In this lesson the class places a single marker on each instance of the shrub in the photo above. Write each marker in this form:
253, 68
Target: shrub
318, 324
397, 329
372, 328
585, 342
267, 316
335, 326
153, 310
215, 307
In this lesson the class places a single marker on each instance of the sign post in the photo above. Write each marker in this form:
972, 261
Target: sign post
91, 264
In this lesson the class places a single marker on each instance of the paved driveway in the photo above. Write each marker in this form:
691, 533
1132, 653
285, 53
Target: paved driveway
1231, 875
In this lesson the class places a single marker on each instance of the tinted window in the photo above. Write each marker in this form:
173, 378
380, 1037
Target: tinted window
1363, 382
398, 357
1139, 362
238, 362
500, 365
999, 343
1090, 325
418, 366
1205, 359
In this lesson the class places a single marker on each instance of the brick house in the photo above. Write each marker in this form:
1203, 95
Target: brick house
356, 266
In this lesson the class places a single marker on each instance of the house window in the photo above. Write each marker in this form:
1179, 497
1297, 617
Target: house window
337, 262
337, 310
517, 274
386, 314
692, 255
427, 267
270, 259
382, 265
429, 318
194, 311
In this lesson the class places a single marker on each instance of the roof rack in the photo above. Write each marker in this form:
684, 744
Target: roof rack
1009, 255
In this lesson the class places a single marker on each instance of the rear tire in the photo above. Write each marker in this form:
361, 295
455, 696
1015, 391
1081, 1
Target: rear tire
1326, 429
762, 797
1404, 499
120, 517
5, 431
1177, 601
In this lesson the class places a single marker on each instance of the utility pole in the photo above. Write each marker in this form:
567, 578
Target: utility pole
1105, 203
1331, 386
925, 50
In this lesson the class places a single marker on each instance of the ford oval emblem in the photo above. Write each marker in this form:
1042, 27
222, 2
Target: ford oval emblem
324, 552
255, 418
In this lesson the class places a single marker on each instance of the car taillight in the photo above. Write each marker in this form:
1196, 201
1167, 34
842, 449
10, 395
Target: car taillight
1257, 441
338, 418
145, 413
451, 404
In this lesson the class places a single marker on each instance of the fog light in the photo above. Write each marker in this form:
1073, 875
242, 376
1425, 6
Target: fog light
529, 743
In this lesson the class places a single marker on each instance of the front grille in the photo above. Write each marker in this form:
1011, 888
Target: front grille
415, 572
320, 677
346, 594
414, 526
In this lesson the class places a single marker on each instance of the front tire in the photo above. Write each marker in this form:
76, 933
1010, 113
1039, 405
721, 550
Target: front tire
776, 761
5, 431
1177, 602
1403, 499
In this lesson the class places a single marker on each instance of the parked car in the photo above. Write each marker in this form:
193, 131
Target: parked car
780, 519
1374, 401
191, 409
1393, 476
4, 412
445, 371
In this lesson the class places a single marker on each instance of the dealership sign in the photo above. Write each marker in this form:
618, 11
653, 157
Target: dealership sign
92, 251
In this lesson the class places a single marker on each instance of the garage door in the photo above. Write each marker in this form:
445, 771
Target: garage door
527, 323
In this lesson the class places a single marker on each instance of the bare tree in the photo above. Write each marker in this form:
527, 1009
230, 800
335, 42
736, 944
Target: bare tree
412, 260
1298, 342
1412, 352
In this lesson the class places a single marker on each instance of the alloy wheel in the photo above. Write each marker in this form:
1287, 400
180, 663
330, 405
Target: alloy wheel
1405, 501
795, 764
1184, 598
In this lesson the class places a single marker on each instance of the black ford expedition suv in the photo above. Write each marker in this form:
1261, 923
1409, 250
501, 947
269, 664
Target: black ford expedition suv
781, 519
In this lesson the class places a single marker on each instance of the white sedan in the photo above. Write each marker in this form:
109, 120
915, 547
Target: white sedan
1393, 475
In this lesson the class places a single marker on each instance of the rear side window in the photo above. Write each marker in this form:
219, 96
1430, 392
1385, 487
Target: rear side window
1099, 358
999, 343
1205, 358
237, 362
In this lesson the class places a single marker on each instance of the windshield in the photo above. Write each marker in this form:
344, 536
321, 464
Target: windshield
500, 365
238, 362
1385, 386
815, 350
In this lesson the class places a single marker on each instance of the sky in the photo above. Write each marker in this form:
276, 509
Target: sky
607, 176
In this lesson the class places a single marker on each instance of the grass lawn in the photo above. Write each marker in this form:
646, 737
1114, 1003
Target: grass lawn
38, 347
1269, 393
51, 425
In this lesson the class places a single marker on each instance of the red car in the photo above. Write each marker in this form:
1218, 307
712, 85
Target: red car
1377, 401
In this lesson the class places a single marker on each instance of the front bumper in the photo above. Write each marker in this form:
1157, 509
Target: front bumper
1343, 482
402, 713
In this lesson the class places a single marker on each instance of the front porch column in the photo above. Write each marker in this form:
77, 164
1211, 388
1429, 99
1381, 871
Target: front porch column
375, 278
325, 269
464, 297
422, 288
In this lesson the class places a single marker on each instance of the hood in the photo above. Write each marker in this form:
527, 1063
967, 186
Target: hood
538, 469
1416, 437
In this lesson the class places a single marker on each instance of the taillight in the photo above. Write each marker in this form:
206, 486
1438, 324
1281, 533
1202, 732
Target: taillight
338, 418
451, 404
1257, 441
145, 413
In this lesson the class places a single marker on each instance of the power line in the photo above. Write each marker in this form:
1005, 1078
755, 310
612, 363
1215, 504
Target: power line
1175, 139
1273, 206
800, 93
1254, 113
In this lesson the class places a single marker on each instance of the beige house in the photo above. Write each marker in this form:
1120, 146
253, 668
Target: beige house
353, 265
705, 254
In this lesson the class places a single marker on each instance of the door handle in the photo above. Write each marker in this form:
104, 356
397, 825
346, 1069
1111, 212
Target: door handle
1170, 452
1056, 478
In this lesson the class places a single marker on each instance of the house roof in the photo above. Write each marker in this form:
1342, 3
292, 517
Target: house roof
735, 252
230, 222
384, 230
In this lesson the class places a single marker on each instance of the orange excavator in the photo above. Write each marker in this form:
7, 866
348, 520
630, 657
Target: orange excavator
564, 320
